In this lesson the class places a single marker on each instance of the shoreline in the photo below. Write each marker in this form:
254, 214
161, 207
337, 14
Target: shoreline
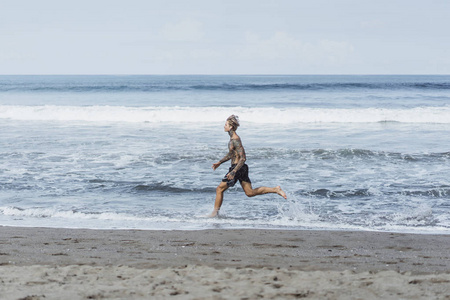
48, 263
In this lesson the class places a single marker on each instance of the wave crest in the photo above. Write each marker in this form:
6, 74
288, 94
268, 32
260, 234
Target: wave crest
260, 115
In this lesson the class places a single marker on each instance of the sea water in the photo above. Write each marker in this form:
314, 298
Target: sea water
351, 152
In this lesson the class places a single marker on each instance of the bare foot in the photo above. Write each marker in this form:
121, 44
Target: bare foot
281, 192
214, 214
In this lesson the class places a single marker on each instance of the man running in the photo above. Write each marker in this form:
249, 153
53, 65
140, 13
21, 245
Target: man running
238, 169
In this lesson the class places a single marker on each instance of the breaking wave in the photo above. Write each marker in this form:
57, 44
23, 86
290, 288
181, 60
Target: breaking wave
217, 114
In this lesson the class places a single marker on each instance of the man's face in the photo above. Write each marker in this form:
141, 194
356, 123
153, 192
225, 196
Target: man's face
227, 127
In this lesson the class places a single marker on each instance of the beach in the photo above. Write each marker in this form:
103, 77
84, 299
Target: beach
46, 263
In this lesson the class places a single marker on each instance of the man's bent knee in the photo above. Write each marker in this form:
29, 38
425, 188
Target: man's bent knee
221, 188
250, 193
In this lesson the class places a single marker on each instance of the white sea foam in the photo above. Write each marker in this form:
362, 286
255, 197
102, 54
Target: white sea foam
215, 114
49, 217
55, 213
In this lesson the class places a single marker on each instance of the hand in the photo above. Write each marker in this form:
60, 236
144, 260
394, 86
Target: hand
216, 165
230, 175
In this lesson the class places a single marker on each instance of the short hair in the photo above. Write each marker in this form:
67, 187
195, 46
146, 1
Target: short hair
233, 121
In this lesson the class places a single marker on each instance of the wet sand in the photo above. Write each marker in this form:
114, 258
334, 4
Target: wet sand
40, 263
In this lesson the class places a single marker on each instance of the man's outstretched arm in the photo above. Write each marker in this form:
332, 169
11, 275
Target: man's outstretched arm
224, 159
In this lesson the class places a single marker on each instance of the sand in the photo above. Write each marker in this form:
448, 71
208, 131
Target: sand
39, 263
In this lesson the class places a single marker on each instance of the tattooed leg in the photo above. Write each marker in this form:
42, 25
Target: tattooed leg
251, 192
219, 199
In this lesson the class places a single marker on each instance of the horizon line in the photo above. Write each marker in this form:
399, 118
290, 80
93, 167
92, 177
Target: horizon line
225, 74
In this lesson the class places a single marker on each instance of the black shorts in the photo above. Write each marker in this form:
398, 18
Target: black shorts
241, 175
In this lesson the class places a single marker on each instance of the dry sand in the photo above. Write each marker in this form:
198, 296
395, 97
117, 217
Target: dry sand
38, 263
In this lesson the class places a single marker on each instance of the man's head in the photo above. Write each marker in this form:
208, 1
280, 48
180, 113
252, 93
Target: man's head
233, 122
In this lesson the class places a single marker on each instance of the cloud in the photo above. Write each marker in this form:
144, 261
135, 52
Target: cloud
373, 24
283, 46
183, 31
280, 52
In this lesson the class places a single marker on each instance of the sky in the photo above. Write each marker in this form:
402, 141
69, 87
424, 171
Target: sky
224, 37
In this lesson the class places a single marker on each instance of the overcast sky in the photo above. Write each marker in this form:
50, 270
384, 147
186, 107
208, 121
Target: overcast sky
225, 37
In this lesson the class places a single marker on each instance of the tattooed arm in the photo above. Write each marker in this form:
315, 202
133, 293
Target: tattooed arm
224, 159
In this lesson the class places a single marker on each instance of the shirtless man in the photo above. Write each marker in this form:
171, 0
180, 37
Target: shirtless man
238, 169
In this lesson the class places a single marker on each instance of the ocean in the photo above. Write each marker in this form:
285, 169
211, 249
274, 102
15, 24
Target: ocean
135, 152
